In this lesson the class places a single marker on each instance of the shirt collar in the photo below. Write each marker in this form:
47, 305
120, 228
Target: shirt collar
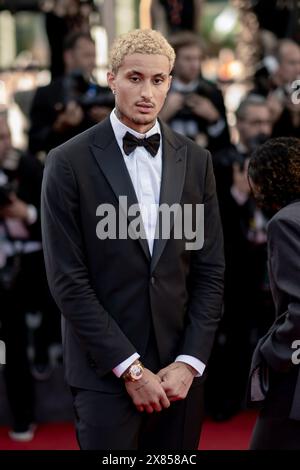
120, 129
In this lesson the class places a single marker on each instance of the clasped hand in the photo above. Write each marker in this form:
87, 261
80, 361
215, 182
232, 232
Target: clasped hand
154, 392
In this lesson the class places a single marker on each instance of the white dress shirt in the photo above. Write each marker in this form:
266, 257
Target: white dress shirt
145, 172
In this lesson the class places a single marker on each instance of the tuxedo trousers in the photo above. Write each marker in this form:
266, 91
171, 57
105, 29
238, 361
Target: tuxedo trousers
110, 421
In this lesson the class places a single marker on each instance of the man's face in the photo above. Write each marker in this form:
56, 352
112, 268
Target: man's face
289, 69
82, 57
141, 85
5, 139
257, 121
188, 63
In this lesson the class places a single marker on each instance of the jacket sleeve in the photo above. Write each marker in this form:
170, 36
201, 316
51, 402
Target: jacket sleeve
206, 278
67, 271
284, 236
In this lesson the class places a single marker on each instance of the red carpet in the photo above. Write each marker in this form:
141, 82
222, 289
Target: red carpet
233, 434
50, 436
230, 435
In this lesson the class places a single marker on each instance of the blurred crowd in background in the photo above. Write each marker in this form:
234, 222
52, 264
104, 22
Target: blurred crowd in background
235, 84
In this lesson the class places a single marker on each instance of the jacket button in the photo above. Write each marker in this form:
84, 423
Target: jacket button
153, 280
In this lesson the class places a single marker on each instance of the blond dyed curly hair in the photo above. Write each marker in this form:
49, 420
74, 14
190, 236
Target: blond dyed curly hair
140, 41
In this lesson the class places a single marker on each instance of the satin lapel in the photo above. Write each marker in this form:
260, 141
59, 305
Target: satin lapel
173, 177
111, 162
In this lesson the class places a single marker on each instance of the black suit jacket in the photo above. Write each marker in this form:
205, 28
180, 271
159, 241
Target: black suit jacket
112, 292
274, 351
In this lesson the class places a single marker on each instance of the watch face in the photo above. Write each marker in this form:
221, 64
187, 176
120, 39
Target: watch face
136, 371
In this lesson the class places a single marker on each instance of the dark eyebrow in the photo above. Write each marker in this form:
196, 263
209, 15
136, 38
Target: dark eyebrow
136, 72
161, 74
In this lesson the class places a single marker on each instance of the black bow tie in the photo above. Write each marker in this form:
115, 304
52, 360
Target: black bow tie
130, 143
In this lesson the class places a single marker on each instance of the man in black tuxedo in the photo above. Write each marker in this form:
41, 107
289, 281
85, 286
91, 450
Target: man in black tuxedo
139, 311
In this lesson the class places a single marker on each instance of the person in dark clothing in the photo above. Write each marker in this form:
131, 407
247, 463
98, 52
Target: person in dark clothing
275, 74
72, 103
274, 174
282, 90
23, 284
254, 126
247, 303
194, 106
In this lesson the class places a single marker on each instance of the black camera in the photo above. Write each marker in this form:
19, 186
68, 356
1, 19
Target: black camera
203, 89
86, 93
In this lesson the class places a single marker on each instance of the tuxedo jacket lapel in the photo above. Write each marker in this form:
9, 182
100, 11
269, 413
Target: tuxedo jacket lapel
173, 177
111, 162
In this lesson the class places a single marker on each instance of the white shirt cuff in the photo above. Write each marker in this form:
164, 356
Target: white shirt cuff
192, 361
32, 214
120, 369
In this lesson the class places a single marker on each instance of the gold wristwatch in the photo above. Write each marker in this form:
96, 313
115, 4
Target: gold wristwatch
134, 372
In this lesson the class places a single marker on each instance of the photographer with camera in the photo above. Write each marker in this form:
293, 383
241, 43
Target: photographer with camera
72, 103
194, 106
281, 87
